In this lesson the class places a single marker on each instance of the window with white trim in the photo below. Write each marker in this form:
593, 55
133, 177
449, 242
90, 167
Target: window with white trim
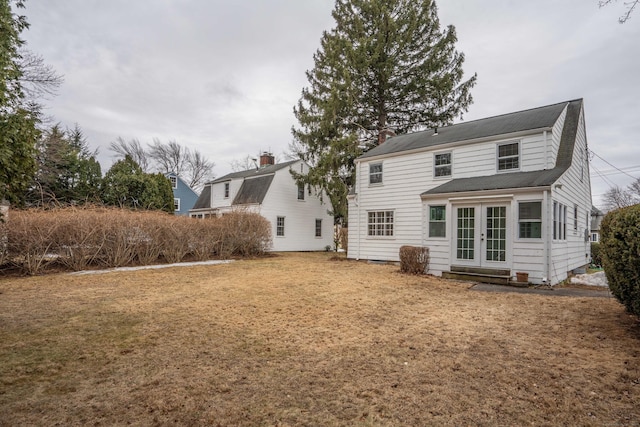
509, 156
559, 221
174, 182
437, 221
176, 204
375, 173
575, 218
380, 223
318, 227
300, 191
226, 190
442, 164
530, 220
280, 226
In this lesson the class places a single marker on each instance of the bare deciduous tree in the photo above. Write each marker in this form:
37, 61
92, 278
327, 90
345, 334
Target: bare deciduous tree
617, 197
630, 5
169, 157
131, 148
37, 79
200, 169
244, 164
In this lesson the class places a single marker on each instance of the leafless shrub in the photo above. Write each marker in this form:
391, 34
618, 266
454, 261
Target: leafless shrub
414, 259
120, 234
29, 240
204, 238
147, 240
343, 238
243, 234
174, 238
79, 236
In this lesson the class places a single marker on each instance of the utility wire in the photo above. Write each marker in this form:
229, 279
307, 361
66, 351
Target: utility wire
616, 168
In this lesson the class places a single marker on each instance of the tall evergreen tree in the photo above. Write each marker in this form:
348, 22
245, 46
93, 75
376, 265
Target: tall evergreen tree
67, 170
386, 67
18, 119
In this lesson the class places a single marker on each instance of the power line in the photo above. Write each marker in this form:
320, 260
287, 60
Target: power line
616, 168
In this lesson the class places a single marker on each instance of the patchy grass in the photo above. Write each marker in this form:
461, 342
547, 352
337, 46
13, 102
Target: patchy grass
301, 339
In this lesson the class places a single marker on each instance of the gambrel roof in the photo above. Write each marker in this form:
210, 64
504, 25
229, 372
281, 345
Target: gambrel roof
541, 178
520, 121
253, 172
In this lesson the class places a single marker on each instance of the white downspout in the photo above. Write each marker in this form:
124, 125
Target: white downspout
357, 202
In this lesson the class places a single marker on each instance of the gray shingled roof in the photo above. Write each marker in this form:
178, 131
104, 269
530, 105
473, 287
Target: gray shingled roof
520, 121
253, 172
543, 178
253, 190
204, 199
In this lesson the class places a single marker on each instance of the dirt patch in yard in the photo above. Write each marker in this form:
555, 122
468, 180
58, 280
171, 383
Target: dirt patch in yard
300, 339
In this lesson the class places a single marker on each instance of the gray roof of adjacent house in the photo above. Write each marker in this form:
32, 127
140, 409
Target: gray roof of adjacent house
204, 200
253, 172
542, 178
520, 121
253, 190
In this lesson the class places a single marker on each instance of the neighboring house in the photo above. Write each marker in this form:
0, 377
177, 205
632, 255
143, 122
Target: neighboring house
300, 217
596, 219
183, 196
492, 197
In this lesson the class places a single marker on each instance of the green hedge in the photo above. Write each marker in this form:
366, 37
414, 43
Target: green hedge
620, 246
596, 254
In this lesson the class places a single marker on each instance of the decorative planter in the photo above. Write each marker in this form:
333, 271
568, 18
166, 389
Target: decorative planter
522, 277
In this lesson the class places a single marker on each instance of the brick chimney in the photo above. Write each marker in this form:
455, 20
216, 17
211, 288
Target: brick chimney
267, 159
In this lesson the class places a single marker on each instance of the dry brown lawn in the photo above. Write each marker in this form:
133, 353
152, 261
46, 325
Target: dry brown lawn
299, 339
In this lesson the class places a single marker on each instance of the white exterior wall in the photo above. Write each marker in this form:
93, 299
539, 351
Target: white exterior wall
407, 175
300, 215
575, 251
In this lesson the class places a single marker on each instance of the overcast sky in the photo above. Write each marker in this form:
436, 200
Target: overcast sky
222, 76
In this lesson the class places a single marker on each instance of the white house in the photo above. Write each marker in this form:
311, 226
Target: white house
489, 197
300, 217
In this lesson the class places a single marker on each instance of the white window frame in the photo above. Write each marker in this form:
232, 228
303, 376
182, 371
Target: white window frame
383, 223
227, 189
176, 204
442, 166
280, 226
438, 221
301, 192
498, 158
318, 227
174, 182
379, 180
529, 220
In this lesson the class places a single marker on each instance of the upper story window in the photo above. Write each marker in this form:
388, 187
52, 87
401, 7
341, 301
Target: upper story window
375, 173
530, 220
226, 190
300, 191
509, 156
174, 181
442, 164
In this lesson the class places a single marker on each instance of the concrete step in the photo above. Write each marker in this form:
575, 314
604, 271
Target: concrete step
496, 279
481, 270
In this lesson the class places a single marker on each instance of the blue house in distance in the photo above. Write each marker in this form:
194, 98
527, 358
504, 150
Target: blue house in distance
183, 196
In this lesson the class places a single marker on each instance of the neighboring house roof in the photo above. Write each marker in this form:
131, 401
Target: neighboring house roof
520, 121
542, 178
253, 190
253, 172
204, 201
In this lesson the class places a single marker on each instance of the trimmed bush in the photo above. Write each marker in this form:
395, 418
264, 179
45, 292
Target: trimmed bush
78, 238
414, 259
596, 254
620, 247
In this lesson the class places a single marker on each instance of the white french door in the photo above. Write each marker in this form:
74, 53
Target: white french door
480, 235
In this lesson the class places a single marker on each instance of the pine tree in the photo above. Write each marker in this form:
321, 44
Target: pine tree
386, 67
18, 120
